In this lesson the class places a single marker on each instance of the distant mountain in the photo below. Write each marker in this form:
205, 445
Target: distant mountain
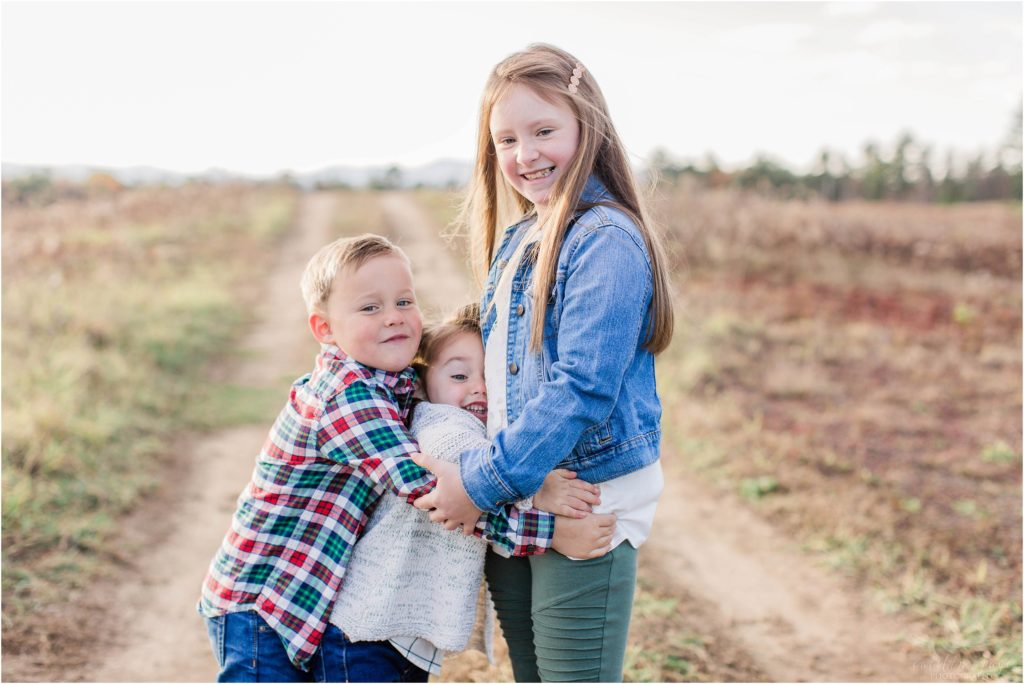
131, 175
439, 174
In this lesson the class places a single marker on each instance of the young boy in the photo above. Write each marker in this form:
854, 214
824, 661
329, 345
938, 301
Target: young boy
336, 448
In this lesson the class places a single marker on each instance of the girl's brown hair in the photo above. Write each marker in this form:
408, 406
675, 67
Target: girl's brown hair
437, 335
492, 203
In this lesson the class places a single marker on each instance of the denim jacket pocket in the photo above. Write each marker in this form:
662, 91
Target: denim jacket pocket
597, 438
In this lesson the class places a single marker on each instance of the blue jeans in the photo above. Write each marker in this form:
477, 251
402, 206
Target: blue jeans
248, 650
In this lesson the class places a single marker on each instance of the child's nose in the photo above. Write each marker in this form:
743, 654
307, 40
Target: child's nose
527, 153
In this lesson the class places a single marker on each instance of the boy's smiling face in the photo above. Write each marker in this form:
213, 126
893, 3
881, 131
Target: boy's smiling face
372, 314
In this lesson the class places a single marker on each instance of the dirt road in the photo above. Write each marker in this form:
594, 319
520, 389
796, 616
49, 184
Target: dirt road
158, 636
737, 578
755, 589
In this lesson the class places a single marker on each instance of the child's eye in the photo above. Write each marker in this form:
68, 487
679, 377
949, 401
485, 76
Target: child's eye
460, 377
405, 302
545, 131
506, 141
369, 308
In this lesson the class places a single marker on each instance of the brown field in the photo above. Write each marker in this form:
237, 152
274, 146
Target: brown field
845, 380
854, 371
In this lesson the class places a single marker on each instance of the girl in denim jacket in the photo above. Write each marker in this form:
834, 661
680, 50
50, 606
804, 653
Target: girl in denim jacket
576, 303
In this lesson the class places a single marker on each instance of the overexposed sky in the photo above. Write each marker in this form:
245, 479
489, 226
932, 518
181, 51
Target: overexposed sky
264, 87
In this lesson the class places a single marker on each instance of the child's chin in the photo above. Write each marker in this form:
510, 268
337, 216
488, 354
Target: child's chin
394, 366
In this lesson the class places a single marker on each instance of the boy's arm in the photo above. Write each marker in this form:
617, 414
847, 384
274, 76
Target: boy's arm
362, 428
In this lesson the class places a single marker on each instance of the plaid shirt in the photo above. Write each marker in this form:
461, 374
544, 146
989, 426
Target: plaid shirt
336, 448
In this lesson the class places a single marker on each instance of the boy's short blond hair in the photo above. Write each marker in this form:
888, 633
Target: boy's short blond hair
332, 259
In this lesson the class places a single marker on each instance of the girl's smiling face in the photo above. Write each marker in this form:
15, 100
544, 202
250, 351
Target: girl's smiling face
535, 140
456, 378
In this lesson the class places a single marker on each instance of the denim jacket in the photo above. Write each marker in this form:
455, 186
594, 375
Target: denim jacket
587, 401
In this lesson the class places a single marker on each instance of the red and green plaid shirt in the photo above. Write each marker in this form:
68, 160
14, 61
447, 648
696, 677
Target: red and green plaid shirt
336, 448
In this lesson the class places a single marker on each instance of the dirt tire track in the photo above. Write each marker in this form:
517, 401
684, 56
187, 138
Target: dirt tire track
157, 635
796, 621
441, 282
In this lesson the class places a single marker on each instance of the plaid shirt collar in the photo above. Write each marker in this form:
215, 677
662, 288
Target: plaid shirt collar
333, 359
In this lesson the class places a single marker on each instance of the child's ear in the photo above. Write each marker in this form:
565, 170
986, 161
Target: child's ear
321, 328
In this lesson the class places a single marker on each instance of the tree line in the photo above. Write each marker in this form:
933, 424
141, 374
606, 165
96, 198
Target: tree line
907, 170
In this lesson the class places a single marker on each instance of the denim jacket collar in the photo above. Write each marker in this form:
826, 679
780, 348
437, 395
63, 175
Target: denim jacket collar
595, 191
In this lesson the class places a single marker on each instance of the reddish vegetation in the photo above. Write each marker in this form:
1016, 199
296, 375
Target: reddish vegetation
869, 359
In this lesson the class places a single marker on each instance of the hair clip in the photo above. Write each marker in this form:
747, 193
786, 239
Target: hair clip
574, 82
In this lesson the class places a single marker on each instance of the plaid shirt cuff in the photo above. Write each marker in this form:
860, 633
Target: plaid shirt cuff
520, 533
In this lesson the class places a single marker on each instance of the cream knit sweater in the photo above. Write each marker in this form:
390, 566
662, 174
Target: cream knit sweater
408, 576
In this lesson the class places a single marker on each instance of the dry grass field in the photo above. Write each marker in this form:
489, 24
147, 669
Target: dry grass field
854, 372
117, 310
849, 373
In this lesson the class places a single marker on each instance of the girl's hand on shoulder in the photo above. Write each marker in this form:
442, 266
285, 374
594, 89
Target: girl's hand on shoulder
563, 493
587, 537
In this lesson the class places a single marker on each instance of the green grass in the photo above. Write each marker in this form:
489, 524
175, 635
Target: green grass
976, 630
666, 652
106, 349
663, 648
998, 452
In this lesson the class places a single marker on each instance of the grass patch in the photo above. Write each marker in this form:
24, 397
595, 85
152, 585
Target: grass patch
663, 648
756, 488
111, 329
229, 405
999, 452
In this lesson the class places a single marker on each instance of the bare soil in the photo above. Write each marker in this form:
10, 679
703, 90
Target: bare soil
763, 610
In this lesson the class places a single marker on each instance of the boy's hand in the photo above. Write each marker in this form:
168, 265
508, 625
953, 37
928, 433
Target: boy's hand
588, 537
564, 494
448, 503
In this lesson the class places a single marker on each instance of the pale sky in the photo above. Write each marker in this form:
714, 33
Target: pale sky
264, 87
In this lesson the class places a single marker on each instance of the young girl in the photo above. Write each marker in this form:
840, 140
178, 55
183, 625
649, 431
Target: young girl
411, 582
575, 306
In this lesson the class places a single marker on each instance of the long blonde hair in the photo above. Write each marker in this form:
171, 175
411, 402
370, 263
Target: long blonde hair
492, 203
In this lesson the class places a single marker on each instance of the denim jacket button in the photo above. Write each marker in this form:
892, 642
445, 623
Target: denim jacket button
520, 310
513, 368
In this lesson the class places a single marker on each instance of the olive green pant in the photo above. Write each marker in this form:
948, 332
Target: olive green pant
564, 620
